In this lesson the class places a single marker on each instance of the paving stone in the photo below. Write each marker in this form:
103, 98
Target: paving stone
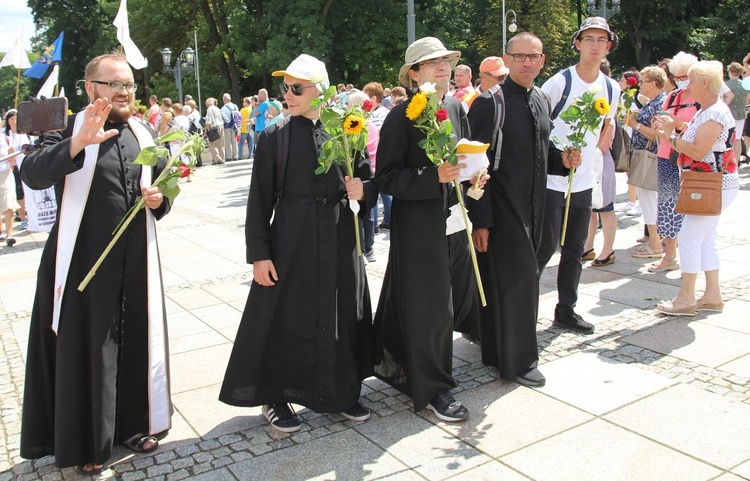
161, 469
221, 462
162, 458
202, 457
143, 462
187, 450
133, 476
177, 475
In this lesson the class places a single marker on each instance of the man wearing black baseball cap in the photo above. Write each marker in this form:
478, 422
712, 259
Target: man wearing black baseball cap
593, 40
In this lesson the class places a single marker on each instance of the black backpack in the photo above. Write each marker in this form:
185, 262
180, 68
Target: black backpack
566, 93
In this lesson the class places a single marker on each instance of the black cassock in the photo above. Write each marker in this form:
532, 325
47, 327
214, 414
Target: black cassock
429, 287
87, 386
513, 210
306, 339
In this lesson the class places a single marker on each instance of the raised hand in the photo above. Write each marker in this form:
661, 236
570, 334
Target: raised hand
92, 131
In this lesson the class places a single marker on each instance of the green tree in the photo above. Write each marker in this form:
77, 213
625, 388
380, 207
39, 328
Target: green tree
8, 78
725, 36
654, 29
551, 20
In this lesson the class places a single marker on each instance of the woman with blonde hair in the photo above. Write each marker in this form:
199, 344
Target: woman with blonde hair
704, 145
681, 107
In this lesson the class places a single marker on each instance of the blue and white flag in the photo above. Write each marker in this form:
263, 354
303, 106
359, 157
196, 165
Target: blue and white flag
51, 54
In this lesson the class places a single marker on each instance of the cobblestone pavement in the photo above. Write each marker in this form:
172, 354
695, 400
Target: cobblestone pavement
629, 332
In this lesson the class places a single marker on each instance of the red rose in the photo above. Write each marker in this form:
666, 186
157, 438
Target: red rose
631, 81
367, 106
184, 170
441, 115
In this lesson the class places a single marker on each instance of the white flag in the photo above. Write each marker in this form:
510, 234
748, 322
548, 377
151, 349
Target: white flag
132, 53
48, 89
16, 56
62, 92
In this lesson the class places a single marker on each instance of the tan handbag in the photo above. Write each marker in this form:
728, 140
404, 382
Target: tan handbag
643, 169
700, 193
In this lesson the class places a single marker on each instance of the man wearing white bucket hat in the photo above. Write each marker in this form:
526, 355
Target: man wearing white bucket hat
429, 285
304, 334
593, 41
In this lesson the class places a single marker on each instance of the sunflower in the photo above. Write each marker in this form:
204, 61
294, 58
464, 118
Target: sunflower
416, 106
602, 106
353, 124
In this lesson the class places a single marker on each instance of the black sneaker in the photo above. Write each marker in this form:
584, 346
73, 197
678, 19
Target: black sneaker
282, 418
10, 241
385, 225
531, 378
356, 413
574, 322
445, 407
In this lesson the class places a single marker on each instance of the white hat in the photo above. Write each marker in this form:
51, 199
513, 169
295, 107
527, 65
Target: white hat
306, 67
423, 49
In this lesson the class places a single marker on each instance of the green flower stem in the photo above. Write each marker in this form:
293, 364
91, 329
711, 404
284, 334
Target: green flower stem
350, 172
567, 206
138, 206
125, 223
460, 196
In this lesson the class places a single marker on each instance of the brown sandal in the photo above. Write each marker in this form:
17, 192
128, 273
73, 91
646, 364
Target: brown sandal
137, 442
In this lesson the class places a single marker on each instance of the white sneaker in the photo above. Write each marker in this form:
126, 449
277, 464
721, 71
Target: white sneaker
625, 207
635, 211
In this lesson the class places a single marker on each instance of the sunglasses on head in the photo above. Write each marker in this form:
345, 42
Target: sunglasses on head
297, 89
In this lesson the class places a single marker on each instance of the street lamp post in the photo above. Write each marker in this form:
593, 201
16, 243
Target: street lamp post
184, 64
510, 28
603, 8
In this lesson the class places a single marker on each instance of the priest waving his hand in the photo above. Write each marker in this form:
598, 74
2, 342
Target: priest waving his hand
97, 366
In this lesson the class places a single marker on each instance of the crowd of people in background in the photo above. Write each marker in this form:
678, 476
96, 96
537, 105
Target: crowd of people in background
296, 229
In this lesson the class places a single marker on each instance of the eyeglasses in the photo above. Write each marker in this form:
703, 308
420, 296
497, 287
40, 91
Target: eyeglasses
499, 78
117, 86
436, 62
521, 57
680, 78
593, 40
297, 89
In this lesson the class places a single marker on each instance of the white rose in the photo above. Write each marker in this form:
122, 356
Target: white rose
595, 89
427, 88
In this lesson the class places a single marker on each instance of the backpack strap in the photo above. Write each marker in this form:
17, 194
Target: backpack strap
566, 93
282, 152
496, 93
546, 99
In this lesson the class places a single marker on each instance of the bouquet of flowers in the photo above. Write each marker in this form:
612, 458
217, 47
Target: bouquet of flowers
348, 137
168, 181
584, 115
428, 115
627, 99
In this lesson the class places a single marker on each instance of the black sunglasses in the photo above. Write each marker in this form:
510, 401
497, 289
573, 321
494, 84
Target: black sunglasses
297, 89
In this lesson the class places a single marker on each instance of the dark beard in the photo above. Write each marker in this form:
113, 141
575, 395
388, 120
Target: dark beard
121, 116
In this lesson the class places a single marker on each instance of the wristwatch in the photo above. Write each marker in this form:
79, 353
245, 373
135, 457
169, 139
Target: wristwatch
673, 139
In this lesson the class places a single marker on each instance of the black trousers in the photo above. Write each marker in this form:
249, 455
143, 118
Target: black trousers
569, 270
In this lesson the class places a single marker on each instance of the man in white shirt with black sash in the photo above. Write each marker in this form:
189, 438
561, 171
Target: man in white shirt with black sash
97, 368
